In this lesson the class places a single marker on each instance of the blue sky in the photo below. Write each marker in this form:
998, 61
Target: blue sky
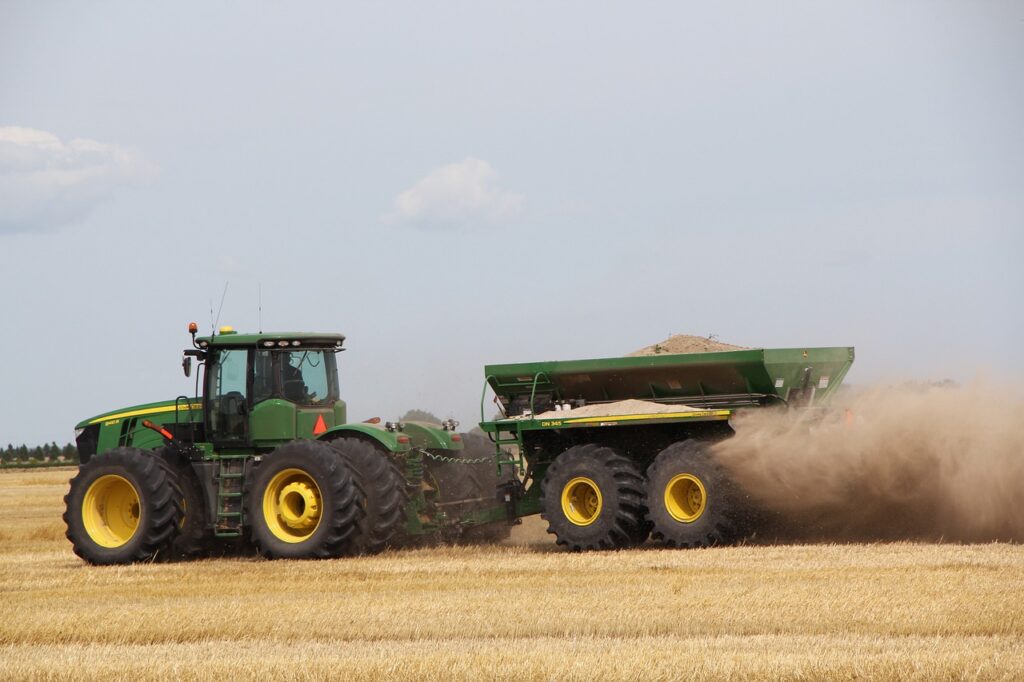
456, 184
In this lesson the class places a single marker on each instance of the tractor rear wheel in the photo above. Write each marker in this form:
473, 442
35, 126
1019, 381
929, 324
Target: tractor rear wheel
193, 536
303, 502
124, 505
592, 498
690, 500
384, 493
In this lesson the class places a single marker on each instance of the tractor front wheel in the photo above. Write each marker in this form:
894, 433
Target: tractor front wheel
690, 500
123, 506
592, 498
303, 503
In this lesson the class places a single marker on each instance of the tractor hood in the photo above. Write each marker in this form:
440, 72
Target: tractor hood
154, 411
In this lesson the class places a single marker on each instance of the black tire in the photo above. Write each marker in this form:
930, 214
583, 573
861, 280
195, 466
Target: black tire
303, 503
194, 536
579, 474
703, 507
123, 506
384, 491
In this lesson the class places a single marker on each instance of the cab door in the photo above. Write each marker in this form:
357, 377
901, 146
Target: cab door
273, 417
228, 405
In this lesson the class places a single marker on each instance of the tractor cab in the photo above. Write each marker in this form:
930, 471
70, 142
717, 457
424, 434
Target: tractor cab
260, 390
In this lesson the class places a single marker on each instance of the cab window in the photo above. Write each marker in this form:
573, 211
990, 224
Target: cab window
263, 375
308, 377
228, 388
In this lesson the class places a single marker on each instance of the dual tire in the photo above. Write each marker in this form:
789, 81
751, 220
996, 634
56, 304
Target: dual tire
303, 503
595, 498
314, 500
383, 490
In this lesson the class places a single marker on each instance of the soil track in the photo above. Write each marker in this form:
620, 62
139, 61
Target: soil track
918, 611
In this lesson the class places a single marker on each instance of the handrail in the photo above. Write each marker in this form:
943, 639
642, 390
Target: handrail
483, 394
533, 391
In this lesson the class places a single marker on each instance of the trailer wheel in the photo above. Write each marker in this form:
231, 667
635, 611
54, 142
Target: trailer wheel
303, 502
592, 498
384, 491
690, 500
123, 506
193, 536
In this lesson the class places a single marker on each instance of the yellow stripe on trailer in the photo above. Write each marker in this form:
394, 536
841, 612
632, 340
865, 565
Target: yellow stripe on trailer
657, 415
148, 410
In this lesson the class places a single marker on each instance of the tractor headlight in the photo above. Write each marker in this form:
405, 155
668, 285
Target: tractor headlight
78, 432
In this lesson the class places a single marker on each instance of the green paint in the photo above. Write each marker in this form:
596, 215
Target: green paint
732, 378
388, 439
430, 436
273, 422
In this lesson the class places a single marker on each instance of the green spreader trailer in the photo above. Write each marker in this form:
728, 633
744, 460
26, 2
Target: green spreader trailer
613, 451
262, 454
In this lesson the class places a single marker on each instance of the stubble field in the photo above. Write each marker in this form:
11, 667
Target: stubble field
523, 611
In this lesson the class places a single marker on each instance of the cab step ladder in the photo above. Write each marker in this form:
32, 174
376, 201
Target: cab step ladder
230, 484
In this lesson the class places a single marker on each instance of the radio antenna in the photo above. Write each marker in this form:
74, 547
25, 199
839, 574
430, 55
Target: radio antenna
219, 308
259, 306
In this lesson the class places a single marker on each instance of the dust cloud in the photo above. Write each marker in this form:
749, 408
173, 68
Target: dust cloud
890, 462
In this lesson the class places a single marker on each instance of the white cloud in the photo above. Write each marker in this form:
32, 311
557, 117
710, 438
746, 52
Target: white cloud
46, 183
456, 194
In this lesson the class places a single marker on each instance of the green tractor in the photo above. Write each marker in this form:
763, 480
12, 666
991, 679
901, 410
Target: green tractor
265, 455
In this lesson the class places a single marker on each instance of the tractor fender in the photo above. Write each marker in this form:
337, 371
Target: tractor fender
388, 439
432, 436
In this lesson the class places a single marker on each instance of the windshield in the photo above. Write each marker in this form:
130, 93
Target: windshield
304, 377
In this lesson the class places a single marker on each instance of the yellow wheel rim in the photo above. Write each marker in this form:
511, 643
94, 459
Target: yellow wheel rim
685, 498
111, 510
292, 505
581, 501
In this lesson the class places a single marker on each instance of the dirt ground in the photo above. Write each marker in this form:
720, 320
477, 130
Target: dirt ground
522, 611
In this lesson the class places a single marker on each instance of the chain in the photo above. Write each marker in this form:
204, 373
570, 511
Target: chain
454, 460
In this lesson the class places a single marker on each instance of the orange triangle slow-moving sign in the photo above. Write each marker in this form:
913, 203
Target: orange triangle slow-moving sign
321, 426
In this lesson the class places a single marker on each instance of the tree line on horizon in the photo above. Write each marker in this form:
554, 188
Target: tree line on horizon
50, 452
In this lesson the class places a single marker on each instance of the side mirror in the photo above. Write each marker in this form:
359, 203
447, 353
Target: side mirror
186, 365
